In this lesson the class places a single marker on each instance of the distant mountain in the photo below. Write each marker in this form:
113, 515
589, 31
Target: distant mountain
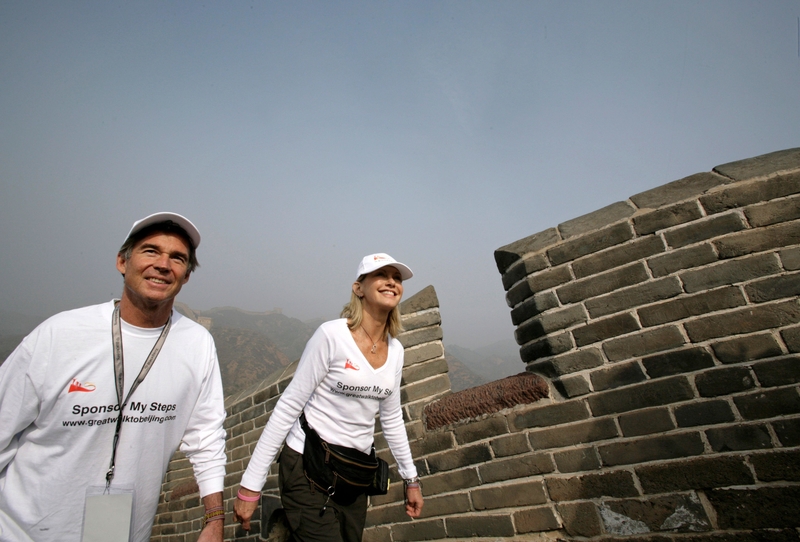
491, 362
245, 357
461, 377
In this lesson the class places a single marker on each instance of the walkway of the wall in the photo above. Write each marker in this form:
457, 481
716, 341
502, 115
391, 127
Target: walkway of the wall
668, 324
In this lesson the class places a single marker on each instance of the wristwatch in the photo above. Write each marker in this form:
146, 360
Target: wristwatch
413, 482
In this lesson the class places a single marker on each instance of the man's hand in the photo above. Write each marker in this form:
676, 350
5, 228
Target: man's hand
244, 510
213, 531
413, 502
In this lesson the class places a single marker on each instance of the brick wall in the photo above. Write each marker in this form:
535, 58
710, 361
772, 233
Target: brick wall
661, 334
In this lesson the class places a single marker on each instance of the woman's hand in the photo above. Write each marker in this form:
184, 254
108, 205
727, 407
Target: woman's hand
413, 502
243, 510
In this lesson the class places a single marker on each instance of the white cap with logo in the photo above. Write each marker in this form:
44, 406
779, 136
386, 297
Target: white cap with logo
374, 262
180, 220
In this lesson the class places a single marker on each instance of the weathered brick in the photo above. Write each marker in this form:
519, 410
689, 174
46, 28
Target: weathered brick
704, 413
701, 473
592, 486
509, 495
675, 513
693, 305
724, 381
580, 519
790, 258
431, 529
783, 466
685, 258
758, 240
678, 361
634, 296
688, 187
421, 319
617, 376
646, 422
451, 481
447, 505
548, 346
646, 342
547, 323
522, 269
509, 254
479, 525
423, 300
603, 283
774, 288
432, 443
573, 386
571, 362
762, 165
604, 329
420, 336
730, 272
596, 219
572, 434
425, 389
746, 194
746, 320
765, 507
460, 457
480, 429
620, 255
739, 349
538, 282
768, 404
773, 212
520, 466
788, 431
738, 437
778, 372
596, 241
534, 520
706, 229
423, 353
791, 336
650, 449
544, 416
518, 293
509, 445
653, 393
667, 217
579, 460
532, 306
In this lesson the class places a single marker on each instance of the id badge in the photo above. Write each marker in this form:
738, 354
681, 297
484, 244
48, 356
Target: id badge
107, 517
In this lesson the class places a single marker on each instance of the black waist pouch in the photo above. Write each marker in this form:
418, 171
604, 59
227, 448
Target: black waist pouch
333, 468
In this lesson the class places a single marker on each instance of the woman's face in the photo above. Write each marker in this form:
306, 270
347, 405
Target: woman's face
382, 288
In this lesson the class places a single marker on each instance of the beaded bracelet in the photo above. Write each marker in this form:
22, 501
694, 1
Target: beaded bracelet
245, 498
214, 514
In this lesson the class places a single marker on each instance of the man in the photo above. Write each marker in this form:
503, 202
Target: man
64, 475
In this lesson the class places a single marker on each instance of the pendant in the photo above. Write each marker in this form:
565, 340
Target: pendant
374, 346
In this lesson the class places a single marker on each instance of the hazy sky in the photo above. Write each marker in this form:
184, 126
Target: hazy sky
300, 136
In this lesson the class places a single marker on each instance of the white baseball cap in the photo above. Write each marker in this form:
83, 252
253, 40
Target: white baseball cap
182, 221
376, 261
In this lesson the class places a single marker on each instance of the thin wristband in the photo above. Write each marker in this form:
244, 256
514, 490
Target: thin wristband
245, 498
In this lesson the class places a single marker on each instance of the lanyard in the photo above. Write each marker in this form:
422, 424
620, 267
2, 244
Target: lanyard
119, 377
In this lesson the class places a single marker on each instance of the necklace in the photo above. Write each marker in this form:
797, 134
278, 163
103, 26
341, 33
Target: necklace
374, 343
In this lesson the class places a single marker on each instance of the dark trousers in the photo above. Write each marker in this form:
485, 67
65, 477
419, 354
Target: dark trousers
344, 516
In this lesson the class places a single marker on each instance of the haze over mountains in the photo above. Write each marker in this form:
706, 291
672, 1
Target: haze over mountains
251, 346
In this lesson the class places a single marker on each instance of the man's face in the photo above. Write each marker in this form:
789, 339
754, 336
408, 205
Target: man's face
156, 269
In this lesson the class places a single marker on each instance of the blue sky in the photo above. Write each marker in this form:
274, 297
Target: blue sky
300, 136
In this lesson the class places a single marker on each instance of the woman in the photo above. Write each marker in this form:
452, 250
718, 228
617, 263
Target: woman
350, 370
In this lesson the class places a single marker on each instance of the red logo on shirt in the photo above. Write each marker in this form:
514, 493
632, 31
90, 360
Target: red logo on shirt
351, 365
77, 386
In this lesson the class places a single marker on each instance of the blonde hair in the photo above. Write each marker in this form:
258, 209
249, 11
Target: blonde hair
354, 312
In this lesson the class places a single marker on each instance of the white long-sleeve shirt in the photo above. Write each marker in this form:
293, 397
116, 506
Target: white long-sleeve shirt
58, 408
340, 393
